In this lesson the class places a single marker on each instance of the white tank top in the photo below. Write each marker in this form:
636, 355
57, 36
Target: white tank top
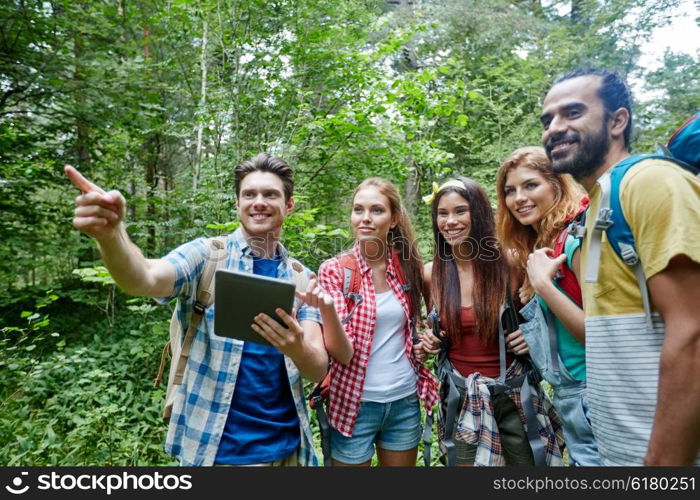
390, 374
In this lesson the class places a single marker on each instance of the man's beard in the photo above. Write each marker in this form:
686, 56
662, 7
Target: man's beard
590, 153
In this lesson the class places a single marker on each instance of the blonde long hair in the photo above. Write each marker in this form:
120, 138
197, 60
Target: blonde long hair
402, 239
521, 240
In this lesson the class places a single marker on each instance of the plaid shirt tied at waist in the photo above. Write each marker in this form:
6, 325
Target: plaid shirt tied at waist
476, 424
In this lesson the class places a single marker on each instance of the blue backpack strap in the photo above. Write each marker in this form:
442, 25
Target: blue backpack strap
683, 149
619, 232
611, 219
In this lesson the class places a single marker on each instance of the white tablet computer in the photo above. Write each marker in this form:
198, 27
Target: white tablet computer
239, 297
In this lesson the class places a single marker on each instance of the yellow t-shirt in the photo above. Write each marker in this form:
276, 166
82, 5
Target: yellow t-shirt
661, 203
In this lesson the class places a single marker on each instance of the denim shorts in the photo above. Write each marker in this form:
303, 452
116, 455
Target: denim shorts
393, 426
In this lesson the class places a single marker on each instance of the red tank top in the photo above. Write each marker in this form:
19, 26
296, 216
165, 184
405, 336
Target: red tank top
469, 354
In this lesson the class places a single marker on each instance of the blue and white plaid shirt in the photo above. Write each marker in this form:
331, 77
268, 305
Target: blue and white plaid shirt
202, 402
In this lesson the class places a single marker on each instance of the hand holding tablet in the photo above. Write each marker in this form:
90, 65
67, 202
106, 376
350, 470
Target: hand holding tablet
240, 297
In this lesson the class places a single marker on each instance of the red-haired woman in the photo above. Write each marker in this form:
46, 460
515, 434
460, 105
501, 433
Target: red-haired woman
535, 206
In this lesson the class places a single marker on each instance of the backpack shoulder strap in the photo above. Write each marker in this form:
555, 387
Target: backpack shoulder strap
609, 214
565, 277
351, 281
215, 260
618, 231
560, 243
611, 219
205, 296
399, 271
351, 272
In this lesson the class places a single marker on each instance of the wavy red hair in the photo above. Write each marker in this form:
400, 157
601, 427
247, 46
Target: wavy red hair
520, 240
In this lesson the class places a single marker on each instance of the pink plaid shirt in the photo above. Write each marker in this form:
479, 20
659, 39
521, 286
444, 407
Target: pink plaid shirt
347, 381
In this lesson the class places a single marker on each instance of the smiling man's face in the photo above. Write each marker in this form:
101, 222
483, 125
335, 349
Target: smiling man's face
261, 204
575, 136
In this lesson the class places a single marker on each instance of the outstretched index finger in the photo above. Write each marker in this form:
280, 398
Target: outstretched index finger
81, 182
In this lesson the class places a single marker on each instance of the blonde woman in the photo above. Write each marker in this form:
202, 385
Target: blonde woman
376, 384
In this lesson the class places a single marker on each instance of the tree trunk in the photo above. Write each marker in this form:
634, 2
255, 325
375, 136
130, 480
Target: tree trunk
154, 146
202, 104
82, 142
412, 186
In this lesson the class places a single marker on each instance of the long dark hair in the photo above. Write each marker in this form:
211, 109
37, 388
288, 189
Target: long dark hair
489, 265
402, 239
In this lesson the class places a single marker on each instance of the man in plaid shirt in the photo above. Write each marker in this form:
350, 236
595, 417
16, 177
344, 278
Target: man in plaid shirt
240, 403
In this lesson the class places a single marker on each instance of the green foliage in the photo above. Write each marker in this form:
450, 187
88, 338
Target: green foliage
161, 100
21, 347
310, 242
675, 91
88, 403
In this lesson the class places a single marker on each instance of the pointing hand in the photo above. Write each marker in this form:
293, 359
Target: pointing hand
97, 213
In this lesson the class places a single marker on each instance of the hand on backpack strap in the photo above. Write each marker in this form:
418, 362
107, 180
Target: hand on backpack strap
541, 268
97, 212
515, 343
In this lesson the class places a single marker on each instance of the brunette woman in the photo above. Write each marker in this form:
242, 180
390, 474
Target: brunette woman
469, 280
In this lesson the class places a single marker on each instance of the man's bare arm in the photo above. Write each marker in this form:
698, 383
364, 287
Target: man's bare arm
675, 437
99, 214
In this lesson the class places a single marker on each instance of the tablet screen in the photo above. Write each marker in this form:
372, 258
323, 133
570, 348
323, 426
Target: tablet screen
239, 297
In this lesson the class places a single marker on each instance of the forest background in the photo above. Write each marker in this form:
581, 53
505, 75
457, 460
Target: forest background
162, 98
